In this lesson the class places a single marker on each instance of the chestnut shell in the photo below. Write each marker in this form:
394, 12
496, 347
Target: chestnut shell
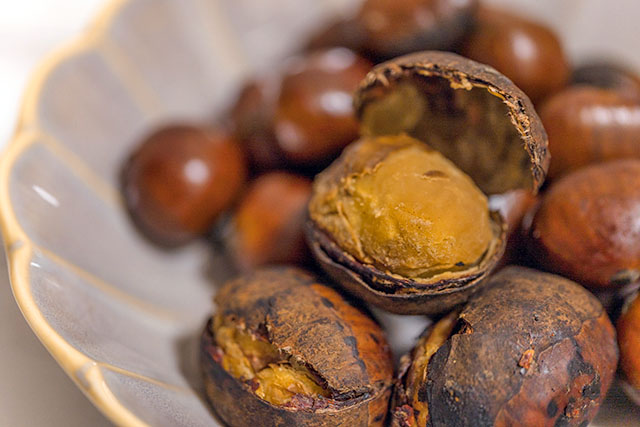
312, 323
531, 349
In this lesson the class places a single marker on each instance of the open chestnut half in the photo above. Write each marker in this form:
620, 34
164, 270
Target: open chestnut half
531, 349
401, 219
283, 349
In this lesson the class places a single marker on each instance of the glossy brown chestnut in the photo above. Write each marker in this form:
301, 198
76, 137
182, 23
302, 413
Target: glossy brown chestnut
284, 349
179, 180
608, 76
628, 327
590, 125
267, 225
527, 52
513, 206
532, 349
466, 111
586, 227
393, 28
305, 117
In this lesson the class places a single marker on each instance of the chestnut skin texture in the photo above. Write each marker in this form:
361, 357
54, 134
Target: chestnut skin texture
313, 324
586, 226
527, 52
628, 327
589, 125
179, 180
303, 117
608, 76
267, 226
393, 28
531, 349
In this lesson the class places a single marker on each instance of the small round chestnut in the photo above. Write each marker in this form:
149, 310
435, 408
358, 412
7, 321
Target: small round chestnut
607, 75
586, 226
590, 125
527, 52
177, 182
266, 227
305, 116
628, 327
392, 28
531, 349
285, 349
401, 218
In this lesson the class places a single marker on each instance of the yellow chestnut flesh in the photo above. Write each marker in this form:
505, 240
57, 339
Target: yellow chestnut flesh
413, 213
249, 358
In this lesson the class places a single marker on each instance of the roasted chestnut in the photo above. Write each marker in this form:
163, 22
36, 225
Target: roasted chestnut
628, 327
608, 76
284, 349
267, 225
179, 180
305, 117
586, 227
527, 52
590, 125
531, 349
396, 219
392, 28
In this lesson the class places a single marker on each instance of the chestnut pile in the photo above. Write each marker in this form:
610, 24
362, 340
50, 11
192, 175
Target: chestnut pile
419, 186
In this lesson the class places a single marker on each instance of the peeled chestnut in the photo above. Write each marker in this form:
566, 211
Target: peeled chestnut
392, 28
608, 76
590, 125
284, 349
267, 225
179, 180
628, 327
305, 117
401, 218
527, 52
531, 349
586, 227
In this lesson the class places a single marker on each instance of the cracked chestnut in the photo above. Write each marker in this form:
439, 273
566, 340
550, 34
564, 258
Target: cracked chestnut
179, 180
266, 226
527, 52
402, 219
586, 226
284, 349
531, 349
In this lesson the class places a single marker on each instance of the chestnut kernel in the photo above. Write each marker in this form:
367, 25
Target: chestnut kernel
179, 180
404, 26
525, 51
267, 225
586, 226
530, 349
284, 349
590, 125
401, 218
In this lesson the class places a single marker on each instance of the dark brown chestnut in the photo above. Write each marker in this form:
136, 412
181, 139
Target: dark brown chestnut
179, 180
267, 225
531, 349
392, 28
395, 219
628, 327
587, 226
607, 75
527, 52
305, 117
284, 349
590, 125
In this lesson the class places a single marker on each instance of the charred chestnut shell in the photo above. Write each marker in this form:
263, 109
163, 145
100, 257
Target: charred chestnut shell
532, 349
311, 324
476, 118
